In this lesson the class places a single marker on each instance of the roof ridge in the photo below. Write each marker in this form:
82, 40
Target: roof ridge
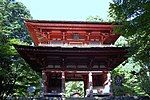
65, 21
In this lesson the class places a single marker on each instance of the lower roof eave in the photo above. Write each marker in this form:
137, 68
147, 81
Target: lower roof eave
40, 57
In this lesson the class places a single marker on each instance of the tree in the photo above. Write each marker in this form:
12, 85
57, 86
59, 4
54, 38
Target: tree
133, 17
95, 19
13, 69
74, 87
130, 83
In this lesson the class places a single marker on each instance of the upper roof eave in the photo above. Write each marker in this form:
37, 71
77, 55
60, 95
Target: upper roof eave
70, 22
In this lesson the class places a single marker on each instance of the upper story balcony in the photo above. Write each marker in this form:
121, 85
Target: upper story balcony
71, 33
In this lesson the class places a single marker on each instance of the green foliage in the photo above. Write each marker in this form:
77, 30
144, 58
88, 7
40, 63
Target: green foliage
130, 83
95, 19
121, 42
133, 16
11, 18
15, 74
74, 87
25, 78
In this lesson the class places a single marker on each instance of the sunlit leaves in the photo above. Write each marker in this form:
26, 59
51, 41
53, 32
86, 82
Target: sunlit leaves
15, 74
74, 87
95, 19
133, 16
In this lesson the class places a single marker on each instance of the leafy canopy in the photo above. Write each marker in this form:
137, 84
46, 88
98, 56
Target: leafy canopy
15, 74
133, 17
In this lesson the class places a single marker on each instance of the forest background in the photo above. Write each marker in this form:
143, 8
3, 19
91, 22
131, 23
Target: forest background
133, 16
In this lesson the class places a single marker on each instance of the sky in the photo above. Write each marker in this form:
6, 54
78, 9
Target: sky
70, 10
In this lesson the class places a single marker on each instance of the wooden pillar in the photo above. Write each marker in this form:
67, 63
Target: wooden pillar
107, 84
90, 86
44, 82
88, 37
90, 80
85, 79
63, 84
64, 36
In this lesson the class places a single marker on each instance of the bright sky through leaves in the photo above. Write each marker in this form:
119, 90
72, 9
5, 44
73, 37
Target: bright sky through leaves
67, 9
